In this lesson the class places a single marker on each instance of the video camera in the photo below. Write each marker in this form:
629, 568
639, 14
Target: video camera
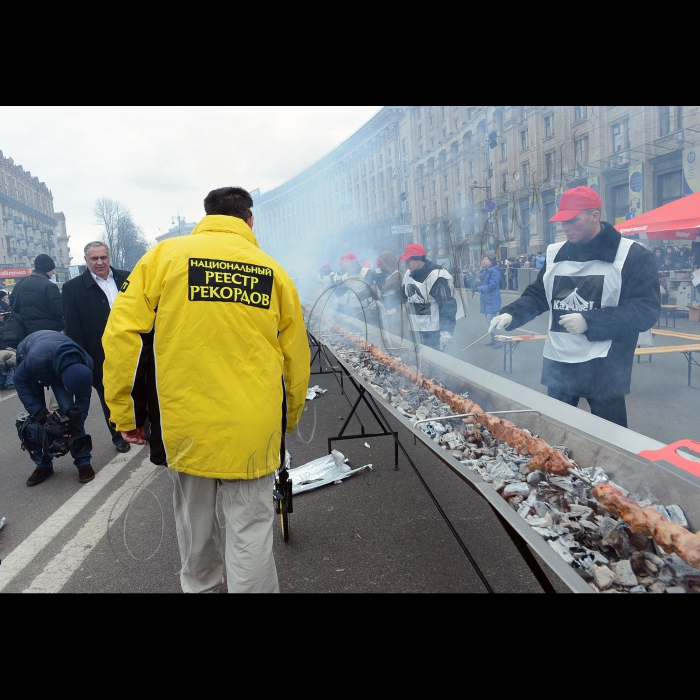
49, 435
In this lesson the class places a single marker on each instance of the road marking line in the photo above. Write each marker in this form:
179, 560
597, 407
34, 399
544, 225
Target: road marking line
10, 396
27, 550
56, 574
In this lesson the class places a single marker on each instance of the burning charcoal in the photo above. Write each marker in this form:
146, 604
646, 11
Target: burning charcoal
515, 502
503, 471
562, 483
546, 521
676, 515
619, 540
583, 511
657, 587
639, 564
603, 577
640, 542
540, 508
624, 574
666, 576
591, 527
638, 589
676, 589
456, 453
523, 510
606, 525
556, 501
680, 567
561, 548
516, 490
657, 561
498, 485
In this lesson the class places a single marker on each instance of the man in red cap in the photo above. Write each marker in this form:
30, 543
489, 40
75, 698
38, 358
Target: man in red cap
428, 291
602, 291
356, 281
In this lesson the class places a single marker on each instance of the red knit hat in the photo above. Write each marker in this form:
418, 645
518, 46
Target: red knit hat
347, 259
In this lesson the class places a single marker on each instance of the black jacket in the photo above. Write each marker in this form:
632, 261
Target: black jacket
36, 369
38, 300
86, 310
441, 292
637, 311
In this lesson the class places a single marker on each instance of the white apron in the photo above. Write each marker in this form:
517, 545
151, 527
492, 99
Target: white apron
422, 307
573, 287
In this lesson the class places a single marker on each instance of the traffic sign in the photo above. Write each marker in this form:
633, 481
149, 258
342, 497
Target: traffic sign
401, 229
490, 205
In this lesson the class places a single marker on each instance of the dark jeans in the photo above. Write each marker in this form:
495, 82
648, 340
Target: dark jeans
65, 401
613, 409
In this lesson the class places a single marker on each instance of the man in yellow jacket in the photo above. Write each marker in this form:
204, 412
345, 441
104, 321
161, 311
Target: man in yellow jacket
208, 332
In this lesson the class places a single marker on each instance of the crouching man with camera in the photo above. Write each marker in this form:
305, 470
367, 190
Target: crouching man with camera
49, 359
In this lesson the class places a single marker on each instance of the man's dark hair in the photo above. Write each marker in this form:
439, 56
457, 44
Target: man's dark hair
229, 201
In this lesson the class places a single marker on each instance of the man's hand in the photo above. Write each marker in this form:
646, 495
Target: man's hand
500, 322
445, 340
136, 436
574, 323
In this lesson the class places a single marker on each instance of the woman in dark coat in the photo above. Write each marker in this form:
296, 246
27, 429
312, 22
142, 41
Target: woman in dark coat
658, 256
489, 286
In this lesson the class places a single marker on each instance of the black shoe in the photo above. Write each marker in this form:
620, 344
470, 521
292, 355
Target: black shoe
490, 345
122, 445
39, 475
86, 473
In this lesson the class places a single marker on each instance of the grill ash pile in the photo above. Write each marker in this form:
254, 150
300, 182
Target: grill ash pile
562, 510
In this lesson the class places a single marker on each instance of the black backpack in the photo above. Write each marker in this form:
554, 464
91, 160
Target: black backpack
13, 330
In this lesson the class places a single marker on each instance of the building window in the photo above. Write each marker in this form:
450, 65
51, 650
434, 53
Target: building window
432, 142
669, 187
581, 150
504, 181
580, 113
435, 208
380, 160
434, 186
525, 168
444, 132
619, 203
620, 135
422, 191
471, 168
458, 174
504, 150
549, 164
679, 118
446, 180
432, 121
404, 145
447, 204
548, 126
523, 140
420, 131
420, 149
456, 123
443, 113
459, 199
388, 155
664, 121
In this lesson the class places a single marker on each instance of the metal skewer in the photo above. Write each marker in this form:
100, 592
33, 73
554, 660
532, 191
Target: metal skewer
476, 341
478, 413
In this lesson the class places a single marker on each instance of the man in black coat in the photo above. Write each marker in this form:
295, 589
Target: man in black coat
87, 300
37, 299
602, 291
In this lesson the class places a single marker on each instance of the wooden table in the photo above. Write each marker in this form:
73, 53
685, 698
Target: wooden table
512, 342
687, 350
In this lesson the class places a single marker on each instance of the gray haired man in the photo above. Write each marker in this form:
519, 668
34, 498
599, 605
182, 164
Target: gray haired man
87, 300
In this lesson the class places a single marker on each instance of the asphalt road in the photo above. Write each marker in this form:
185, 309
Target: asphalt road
376, 532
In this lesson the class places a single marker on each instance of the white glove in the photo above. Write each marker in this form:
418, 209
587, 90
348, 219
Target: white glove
500, 322
445, 340
574, 323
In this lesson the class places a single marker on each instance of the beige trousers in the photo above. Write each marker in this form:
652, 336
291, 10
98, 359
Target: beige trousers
248, 517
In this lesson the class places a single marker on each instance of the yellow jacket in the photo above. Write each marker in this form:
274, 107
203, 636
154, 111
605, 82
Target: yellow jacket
230, 355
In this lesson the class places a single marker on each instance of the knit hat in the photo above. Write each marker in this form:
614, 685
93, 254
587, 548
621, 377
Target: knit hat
43, 263
77, 379
389, 259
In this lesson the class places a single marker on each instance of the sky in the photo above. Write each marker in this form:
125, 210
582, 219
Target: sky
161, 161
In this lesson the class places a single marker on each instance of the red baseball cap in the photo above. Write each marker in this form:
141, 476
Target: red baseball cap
412, 251
574, 201
347, 259
325, 265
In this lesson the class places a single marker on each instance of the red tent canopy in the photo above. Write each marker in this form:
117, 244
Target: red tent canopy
676, 220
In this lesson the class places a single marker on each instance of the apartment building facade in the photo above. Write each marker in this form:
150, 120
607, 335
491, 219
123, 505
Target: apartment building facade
29, 226
470, 179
